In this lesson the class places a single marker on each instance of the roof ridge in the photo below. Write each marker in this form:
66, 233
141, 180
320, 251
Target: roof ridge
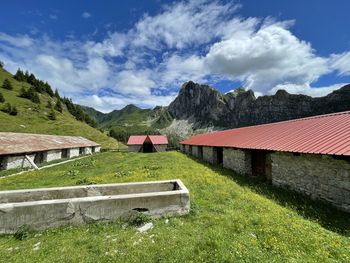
295, 120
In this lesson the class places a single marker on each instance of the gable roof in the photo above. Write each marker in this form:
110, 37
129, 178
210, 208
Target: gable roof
323, 134
15, 143
140, 139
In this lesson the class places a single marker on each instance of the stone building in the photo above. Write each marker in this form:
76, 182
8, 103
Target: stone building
147, 143
22, 150
310, 155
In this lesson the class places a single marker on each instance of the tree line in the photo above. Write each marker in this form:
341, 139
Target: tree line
39, 87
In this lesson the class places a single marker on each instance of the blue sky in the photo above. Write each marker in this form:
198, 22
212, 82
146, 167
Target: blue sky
107, 54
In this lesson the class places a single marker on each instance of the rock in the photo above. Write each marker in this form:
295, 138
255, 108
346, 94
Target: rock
145, 228
204, 106
36, 246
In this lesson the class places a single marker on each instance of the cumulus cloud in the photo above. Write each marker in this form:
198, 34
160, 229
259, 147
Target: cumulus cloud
265, 58
200, 40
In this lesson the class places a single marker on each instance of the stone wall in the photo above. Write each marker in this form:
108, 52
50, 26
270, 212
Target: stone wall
97, 149
319, 176
88, 150
17, 161
237, 160
161, 147
52, 155
134, 148
195, 151
73, 152
187, 149
208, 154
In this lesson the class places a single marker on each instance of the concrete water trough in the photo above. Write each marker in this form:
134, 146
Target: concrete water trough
48, 207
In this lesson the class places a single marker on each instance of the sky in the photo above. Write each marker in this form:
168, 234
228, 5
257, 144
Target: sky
108, 54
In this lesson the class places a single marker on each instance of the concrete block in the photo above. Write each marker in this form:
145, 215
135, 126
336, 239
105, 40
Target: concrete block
49, 207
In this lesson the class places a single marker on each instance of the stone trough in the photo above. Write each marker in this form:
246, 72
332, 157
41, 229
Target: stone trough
48, 207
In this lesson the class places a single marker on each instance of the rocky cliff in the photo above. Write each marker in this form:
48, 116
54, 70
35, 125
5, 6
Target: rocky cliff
204, 106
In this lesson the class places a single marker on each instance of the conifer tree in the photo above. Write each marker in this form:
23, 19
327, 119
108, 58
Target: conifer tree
58, 106
7, 85
2, 99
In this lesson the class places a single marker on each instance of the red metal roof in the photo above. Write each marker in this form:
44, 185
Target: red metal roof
140, 139
323, 134
15, 143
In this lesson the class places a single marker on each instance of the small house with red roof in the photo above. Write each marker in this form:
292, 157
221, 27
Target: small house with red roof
147, 143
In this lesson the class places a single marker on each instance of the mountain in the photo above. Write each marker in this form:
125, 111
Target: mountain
35, 117
131, 117
204, 106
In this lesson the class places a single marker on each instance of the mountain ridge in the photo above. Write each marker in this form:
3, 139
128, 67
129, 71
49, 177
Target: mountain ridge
204, 107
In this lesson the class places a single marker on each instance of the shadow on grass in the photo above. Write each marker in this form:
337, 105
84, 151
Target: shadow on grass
317, 211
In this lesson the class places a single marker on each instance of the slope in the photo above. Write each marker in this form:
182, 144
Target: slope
33, 117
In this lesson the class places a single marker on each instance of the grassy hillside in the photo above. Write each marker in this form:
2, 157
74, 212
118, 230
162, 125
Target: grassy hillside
233, 219
33, 118
131, 120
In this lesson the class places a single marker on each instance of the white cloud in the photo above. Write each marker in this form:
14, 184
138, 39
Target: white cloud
306, 89
17, 41
267, 57
134, 83
86, 15
341, 63
201, 40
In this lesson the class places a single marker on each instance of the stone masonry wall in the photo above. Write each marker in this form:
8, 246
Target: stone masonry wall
52, 155
18, 161
208, 154
88, 150
319, 176
97, 149
195, 151
134, 148
237, 160
73, 152
161, 147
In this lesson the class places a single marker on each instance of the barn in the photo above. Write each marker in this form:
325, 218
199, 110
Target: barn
147, 143
310, 155
21, 150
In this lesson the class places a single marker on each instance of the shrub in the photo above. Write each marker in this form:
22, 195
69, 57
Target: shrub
30, 94
52, 115
2, 99
9, 109
7, 85
22, 232
84, 181
2, 64
138, 219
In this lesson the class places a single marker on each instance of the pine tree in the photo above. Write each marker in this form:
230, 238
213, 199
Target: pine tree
57, 95
2, 99
49, 104
2, 64
9, 109
7, 85
58, 106
19, 76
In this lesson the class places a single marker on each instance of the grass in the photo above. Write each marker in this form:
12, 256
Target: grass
32, 117
233, 218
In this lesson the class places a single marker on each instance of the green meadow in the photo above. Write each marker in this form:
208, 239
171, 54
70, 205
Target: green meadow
233, 218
